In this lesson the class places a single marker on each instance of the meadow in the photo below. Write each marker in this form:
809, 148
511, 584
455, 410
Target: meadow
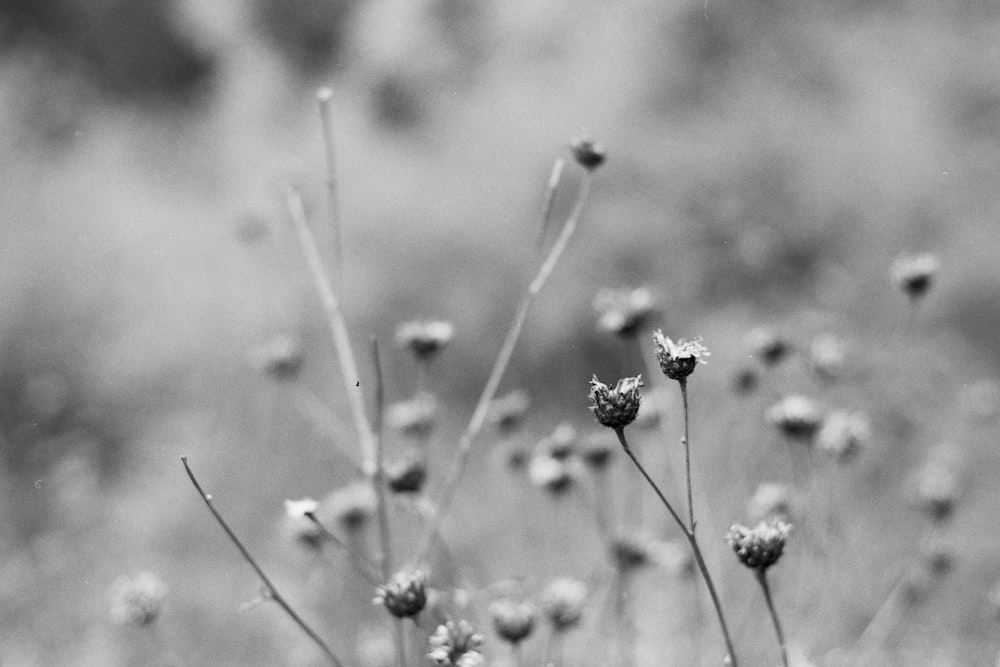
806, 190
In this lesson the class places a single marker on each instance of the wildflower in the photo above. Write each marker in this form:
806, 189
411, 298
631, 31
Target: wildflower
561, 443
299, 526
137, 600
424, 338
456, 645
618, 407
630, 551
597, 449
913, 274
513, 621
678, 360
405, 595
796, 416
623, 312
281, 357
507, 412
351, 506
587, 154
407, 475
768, 346
843, 434
772, 501
414, 417
563, 601
937, 490
828, 356
759, 547
551, 474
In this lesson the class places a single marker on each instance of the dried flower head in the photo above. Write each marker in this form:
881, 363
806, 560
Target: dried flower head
759, 547
350, 506
617, 407
137, 600
597, 449
405, 595
424, 338
299, 527
414, 417
913, 274
772, 501
678, 360
828, 356
796, 416
843, 434
507, 412
407, 475
563, 601
768, 346
281, 357
456, 645
587, 154
624, 312
513, 621
561, 443
551, 474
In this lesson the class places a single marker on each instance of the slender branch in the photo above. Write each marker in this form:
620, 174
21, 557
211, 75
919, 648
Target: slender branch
550, 197
324, 96
620, 432
687, 454
271, 591
478, 419
364, 568
338, 329
762, 578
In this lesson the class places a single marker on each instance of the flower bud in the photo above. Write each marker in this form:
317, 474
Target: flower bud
456, 645
618, 407
678, 360
759, 547
405, 595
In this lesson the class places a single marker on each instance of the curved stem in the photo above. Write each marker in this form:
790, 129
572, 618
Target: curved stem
269, 588
762, 578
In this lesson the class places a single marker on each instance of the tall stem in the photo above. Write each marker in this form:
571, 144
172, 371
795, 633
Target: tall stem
762, 578
692, 541
478, 419
271, 591
324, 96
687, 454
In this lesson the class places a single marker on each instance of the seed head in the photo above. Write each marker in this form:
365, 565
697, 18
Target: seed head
796, 416
588, 154
281, 357
350, 506
618, 407
507, 412
456, 645
513, 621
768, 346
414, 417
759, 547
563, 601
913, 274
405, 595
137, 600
424, 338
624, 312
678, 360
843, 434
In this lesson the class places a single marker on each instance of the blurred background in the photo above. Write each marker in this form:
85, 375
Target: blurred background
767, 161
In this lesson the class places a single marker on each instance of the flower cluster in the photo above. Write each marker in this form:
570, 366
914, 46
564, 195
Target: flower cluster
456, 645
678, 360
759, 547
405, 595
615, 407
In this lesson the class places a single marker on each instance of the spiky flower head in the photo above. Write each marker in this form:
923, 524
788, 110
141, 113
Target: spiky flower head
299, 526
407, 475
678, 360
624, 312
843, 434
913, 274
507, 412
281, 357
615, 408
137, 600
563, 601
759, 547
796, 416
514, 621
456, 645
350, 506
588, 154
405, 595
413, 417
772, 501
424, 338
768, 346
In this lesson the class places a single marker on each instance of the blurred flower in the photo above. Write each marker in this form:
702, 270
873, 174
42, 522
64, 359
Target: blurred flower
656, 402
137, 600
563, 601
796, 416
414, 417
597, 449
299, 526
759, 547
456, 645
350, 506
678, 360
827, 356
550, 474
299, 509
424, 338
560, 444
616, 408
772, 501
513, 620
518, 455
405, 595
768, 346
407, 475
631, 550
624, 311
937, 490
674, 557
587, 154
281, 357
913, 274
843, 434
745, 380
507, 412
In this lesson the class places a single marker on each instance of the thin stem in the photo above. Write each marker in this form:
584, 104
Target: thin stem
271, 591
478, 419
364, 568
692, 541
324, 96
762, 578
517, 655
687, 454
338, 329
550, 196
